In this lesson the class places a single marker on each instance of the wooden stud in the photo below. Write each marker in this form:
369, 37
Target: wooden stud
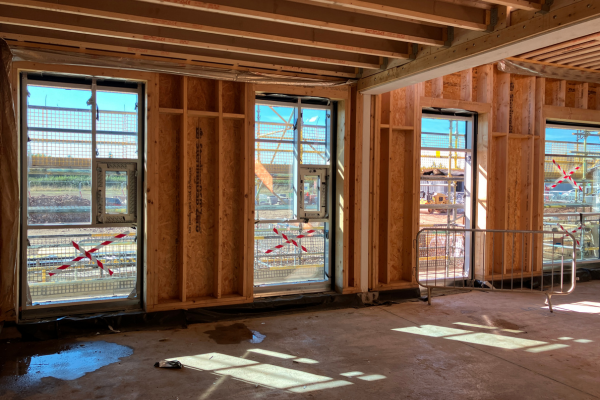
218, 275
248, 278
376, 189
437, 88
358, 103
184, 199
466, 85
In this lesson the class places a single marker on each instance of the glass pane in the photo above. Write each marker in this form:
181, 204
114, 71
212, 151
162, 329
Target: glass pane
59, 152
50, 249
443, 133
116, 192
314, 137
312, 191
442, 189
277, 260
117, 125
571, 185
275, 159
444, 198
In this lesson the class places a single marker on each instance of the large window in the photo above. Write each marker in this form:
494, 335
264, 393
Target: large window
82, 172
445, 195
571, 184
292, 195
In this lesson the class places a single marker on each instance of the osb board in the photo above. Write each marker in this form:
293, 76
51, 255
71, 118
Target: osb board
570, 98
200, 217
427, 89
398, 107
397, 179
553, 95
452, 86
202, 94
383, 204
167, 259
522, 104
232, 211
385, 108
233, 97
170, 88
593, 102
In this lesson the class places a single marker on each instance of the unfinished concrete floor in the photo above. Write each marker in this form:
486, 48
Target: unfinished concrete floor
465, 346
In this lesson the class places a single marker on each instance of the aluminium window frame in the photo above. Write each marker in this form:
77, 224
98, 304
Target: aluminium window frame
58, 80
267, 290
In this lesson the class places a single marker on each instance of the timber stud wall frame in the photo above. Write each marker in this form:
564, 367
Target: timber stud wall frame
203, 212
509, 171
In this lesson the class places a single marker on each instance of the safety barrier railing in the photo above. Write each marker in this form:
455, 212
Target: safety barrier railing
496, 260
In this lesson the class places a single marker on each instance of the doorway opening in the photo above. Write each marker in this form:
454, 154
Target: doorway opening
293, 186
446, 187
82, 152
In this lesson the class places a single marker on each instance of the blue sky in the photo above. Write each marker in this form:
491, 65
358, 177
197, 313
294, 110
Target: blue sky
77, 98
309, 116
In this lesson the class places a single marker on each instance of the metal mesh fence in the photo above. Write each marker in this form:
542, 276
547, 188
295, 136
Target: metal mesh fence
49, 249
301, 260
441, 256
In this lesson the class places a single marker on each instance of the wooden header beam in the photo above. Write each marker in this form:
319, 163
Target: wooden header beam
561, 25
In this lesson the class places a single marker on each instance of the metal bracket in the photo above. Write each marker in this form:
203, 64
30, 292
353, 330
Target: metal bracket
493, 19
546, 4
449, 36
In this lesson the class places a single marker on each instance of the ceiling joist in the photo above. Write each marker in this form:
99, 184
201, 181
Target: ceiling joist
172, 17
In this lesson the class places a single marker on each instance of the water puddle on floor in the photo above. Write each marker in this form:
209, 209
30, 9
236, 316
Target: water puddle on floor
24, 364
234, 334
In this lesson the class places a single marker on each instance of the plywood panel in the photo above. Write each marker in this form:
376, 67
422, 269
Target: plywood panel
398, 107
396, 218
167, 260
231, 213
233, 97
555, 92
202, 94
452, 87
200, 217
170, 89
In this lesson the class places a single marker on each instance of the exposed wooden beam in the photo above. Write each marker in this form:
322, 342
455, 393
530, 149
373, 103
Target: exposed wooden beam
558, 46
565, 49
166, 52
518, 4
174, 17
432, 11
573, 55
564, 24
581, 59
289, 12
110, 28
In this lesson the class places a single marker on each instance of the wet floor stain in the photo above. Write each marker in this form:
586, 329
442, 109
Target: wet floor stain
23, 365
504, 324
234, 334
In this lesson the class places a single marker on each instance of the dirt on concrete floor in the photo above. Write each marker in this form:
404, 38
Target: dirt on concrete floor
472, 345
